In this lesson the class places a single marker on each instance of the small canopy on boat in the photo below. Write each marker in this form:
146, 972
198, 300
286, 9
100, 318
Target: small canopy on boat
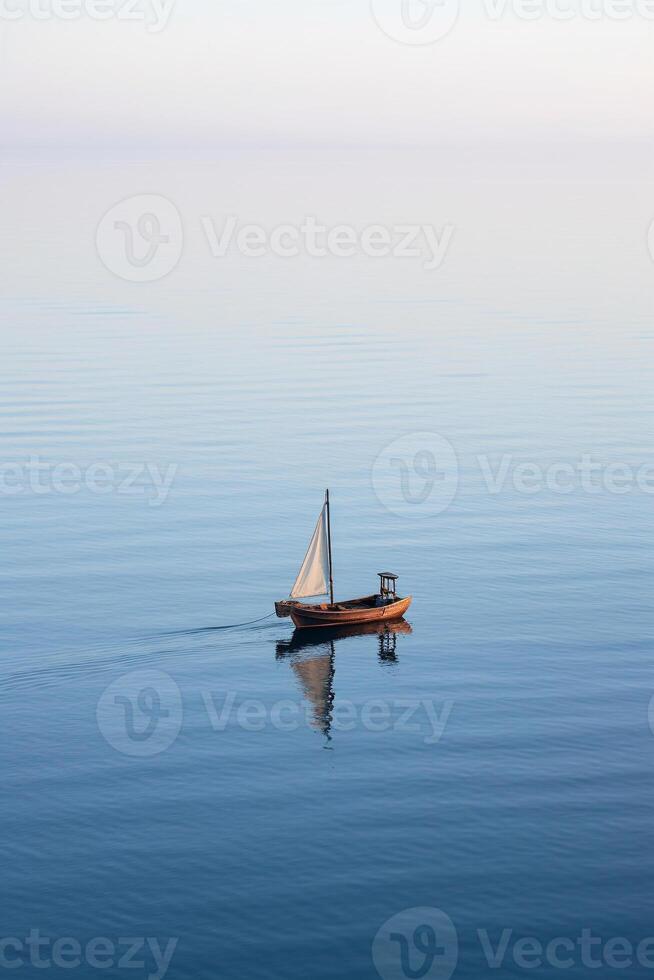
387, 585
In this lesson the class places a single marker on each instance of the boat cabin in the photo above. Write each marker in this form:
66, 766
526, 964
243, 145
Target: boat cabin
387, 586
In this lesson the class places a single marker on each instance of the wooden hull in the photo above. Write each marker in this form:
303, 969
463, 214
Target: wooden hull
343, 614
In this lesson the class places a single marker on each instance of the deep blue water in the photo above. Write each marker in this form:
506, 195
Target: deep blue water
276, 839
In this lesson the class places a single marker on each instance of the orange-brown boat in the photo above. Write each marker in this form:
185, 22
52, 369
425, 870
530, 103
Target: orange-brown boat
316, 572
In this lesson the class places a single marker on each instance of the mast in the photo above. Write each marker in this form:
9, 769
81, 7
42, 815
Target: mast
329, 548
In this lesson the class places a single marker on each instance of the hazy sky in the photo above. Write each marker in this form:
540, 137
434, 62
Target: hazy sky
303, 71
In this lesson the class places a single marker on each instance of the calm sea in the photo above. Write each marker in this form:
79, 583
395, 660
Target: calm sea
271, 802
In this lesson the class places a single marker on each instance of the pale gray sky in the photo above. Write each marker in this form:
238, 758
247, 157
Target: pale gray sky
217, 72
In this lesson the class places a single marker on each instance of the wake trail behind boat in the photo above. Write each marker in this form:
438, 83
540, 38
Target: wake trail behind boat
213, 629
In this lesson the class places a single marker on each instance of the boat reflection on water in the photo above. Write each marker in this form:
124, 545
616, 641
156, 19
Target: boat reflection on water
311, 654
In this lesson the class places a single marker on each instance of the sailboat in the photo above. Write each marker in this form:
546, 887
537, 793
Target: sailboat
316, 578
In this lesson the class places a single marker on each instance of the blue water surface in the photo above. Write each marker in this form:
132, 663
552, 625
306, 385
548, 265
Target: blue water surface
271, 802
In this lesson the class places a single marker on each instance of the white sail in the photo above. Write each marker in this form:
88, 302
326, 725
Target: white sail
314, 575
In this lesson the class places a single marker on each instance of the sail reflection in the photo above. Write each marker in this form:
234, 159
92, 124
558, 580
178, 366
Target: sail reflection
312, 658
316, 678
